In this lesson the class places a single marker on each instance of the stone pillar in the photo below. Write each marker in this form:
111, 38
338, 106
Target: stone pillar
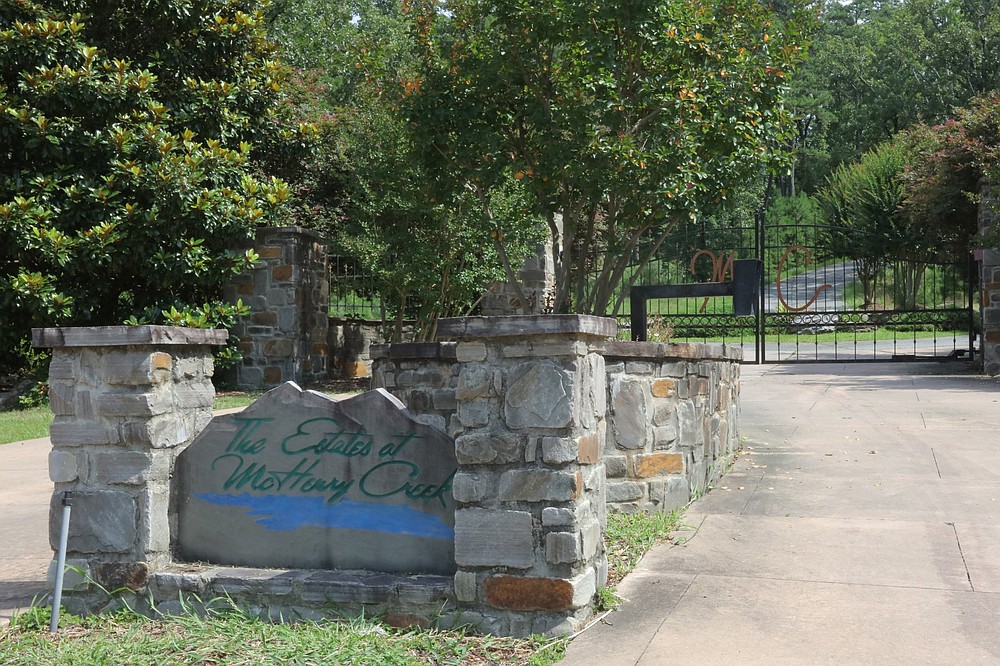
990, 285
126, 400
530, 489
284, 338
537, 280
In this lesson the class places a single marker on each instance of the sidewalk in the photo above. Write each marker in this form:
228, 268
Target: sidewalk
861, 526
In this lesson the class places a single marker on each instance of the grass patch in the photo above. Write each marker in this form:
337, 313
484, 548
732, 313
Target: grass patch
234, 399
629, 536
234, 638
21, 424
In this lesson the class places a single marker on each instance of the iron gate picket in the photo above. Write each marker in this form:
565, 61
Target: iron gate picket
816, 303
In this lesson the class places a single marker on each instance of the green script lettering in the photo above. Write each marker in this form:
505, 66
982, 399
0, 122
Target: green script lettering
325, 435
241, 442
259, 478
420, 491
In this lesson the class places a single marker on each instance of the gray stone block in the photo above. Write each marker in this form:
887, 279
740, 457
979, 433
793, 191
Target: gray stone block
467, 487
615, 466
423, 590
553, 516
474, 414
664, 436
126, 467
344, 588
475, 381
102, 522
591, 538
630, 402
559, 450
536, 485
466, 586
63, 466
444, 399
489, 448
624, 491
539, 395
486, 538
562, 548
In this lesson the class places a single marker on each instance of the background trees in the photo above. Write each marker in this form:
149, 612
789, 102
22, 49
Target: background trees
619, 118
128, 133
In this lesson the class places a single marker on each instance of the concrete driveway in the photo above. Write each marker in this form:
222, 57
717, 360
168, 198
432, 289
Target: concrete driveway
860, 526
25, 491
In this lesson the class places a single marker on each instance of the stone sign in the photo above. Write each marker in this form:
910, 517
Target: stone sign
300, 480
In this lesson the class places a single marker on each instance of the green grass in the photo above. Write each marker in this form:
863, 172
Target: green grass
232, 638
22, 424
630, 535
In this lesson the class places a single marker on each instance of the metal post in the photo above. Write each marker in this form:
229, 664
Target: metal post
67, 504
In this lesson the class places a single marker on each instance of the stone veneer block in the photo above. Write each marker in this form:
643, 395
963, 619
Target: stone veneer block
486, 538
537, 485
658, 464
488, 449
104, 521
539, 395
630, 407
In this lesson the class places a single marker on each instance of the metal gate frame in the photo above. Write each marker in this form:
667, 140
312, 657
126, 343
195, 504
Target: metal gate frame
811, 307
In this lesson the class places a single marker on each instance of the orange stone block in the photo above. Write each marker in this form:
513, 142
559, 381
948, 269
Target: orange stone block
664, 388
992, 336
517, 593
356, 369
658, 464
281, 272
588, 450
269, 252
272, 375
159, 361
245, 289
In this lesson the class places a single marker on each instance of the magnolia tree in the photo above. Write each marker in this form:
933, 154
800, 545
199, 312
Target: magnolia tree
127, 137
619, 119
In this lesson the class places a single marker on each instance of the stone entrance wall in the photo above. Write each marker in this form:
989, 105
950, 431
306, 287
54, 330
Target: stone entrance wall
672, 422
528, 491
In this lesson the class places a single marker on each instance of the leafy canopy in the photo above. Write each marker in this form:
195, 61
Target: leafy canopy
618, 118
127, 137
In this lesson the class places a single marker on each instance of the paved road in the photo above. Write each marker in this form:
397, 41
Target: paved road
797, 290
25, 554
861, 526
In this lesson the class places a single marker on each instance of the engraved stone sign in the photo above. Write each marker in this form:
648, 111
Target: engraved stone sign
300, 480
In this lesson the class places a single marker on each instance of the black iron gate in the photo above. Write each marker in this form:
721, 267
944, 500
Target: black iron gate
818, 300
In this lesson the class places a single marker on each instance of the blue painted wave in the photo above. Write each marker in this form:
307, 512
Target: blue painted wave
284, 513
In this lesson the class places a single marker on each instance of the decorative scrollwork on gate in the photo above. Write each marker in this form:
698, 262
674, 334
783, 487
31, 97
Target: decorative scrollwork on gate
781, 269
721, 266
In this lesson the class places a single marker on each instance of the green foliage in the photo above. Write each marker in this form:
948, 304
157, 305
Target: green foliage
618, 118
861, 200
629, 536
127, 132
877, 68
432, 250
